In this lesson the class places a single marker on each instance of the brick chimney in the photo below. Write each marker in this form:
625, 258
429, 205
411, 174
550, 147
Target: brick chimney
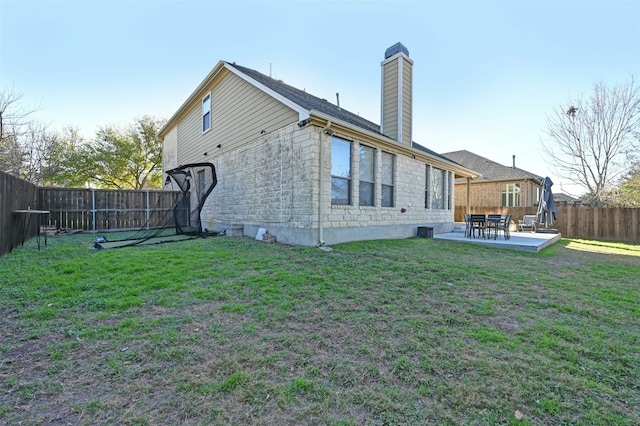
397, 105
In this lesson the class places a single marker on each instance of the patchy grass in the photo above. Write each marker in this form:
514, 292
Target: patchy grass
233, 331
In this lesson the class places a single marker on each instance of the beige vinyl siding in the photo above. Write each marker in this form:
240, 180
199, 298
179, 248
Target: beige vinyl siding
240, 113
406, 102
170, 149
390, 99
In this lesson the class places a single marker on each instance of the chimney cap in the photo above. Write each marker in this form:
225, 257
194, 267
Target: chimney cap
396, 48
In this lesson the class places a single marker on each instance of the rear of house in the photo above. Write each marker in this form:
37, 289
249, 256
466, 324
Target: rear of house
306, 170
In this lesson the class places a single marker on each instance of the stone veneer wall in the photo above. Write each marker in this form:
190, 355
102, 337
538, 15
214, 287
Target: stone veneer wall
268, 182
348, 223
272, 183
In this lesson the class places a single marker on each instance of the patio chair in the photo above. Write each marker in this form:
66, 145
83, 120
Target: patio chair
528, 222
493, 220
467, 225
478, 223
503, 225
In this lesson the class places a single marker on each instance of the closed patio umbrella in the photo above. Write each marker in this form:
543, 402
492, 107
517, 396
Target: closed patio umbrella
547, 210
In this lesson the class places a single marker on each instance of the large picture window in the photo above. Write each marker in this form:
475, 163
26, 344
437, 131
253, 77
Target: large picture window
367, 176
340, 172
437, 187
387, 179
206, 113
510, 195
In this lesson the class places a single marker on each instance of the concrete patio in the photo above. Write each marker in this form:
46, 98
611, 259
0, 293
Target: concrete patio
525, 241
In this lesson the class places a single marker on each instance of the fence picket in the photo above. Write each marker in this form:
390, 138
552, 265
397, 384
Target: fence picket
102, 210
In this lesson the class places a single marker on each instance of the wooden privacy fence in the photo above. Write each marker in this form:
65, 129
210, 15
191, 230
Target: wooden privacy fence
15, 194
101, 210
590, 223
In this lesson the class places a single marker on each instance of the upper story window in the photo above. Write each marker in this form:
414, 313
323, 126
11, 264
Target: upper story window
367, 176
206, 113
387, 179
510, 195
340, 172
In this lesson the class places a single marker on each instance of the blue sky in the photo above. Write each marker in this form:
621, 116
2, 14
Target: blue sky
486, 73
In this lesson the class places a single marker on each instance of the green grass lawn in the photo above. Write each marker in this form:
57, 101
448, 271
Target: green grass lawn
233, 331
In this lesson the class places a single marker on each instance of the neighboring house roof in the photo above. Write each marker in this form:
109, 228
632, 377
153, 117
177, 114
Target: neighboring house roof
489, 169
564, 198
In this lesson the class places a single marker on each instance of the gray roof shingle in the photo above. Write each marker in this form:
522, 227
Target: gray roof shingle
490, 170
311, 102
307, 100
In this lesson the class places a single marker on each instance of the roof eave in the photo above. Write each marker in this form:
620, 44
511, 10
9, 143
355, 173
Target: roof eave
302, 112
416, 153
207, 80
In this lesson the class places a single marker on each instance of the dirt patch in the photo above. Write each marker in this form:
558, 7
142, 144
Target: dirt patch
30, 349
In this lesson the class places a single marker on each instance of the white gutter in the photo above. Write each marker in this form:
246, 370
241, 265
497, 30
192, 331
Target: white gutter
460, 170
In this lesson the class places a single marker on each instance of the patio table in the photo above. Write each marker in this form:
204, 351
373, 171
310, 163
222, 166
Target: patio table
24, 223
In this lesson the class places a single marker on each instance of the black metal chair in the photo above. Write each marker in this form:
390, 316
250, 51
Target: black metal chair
503, 225
478, 223
467, 225
493, 220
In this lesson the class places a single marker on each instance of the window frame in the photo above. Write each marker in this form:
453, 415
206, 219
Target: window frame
437, 195
206, 114
388, 186
509, 196
427, 186
340, 178
371, 184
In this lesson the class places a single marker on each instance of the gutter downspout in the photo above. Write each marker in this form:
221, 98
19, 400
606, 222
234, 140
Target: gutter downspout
321, 186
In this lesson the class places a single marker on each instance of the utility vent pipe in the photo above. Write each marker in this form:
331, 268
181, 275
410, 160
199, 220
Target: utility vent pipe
514, 161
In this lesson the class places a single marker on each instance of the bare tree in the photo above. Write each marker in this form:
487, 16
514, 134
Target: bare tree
589, 140
15, 123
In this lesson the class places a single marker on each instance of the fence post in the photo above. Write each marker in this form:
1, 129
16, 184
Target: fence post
93, 208
148, 215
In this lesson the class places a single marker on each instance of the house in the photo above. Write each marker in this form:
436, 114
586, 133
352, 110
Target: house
565, 199
499, 185
306, 170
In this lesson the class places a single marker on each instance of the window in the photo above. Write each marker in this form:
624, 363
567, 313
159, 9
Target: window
340, 172
510, 195
206, 113
367, 173
437, 187
387, 179
427, 187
